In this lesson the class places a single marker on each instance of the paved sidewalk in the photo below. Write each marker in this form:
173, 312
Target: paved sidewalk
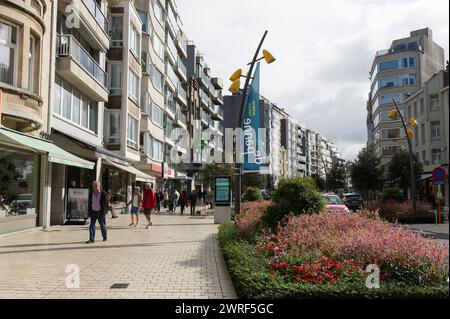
439, 232
178, 257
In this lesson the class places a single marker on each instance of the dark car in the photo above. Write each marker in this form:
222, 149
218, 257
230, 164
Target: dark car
353, 201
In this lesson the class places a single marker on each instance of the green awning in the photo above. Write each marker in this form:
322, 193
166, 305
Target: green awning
55, 153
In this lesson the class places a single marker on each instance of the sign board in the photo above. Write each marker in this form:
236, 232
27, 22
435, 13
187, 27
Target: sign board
438, 182
223, 191
77, 203
438, 174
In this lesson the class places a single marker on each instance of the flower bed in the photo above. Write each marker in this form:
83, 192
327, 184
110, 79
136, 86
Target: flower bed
403, 213
325, 256
249, 220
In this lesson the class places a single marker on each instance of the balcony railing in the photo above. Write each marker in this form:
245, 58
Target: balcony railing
181, 43
171, 76
67, 45
203, 97
181, 66
97, 13
171, 105
181, 116
181, 91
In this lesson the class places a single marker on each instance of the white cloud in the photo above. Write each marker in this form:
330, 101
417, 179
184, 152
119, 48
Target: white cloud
324, 50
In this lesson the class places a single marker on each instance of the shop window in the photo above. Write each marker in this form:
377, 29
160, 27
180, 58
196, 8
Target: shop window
18, 183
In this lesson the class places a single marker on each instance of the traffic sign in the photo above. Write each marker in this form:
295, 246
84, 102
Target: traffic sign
438, 182
439, 174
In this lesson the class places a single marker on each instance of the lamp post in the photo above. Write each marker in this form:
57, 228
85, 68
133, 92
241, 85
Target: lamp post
235, 88
409, 134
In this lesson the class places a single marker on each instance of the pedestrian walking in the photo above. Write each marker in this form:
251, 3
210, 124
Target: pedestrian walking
184, 202
110, 206
135, 203
148, 203
158, 201
175, 198
166, 198
97, 210
205, 197
193, 199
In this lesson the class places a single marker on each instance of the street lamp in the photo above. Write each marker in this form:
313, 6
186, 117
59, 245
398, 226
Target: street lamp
409, 135
235, 88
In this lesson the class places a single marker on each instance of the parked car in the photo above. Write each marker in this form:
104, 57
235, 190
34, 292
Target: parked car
22, 203
334, 203
265, 194
353, 201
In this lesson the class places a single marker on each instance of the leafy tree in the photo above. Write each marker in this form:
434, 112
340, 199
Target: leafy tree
294, 195
256, 180
319, 181
252, 194
336, 177
207, 176
398, 171
367, 171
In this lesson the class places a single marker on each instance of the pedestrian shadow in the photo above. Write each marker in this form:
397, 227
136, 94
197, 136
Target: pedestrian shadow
40, 245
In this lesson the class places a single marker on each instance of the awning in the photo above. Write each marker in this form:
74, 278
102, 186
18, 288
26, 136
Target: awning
55, 153
140, 176
425, 176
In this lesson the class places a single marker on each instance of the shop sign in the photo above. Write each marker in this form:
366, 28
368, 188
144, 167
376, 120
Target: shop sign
77, 203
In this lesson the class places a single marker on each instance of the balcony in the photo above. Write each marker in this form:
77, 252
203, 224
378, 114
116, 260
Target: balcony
180, 95
181, 45
400, 48
181, 69
171, 78
217, 113
180, 119
93, 26
218, 83
203, 98
205, 119
171, 51
75, 65
217, 97
171, 107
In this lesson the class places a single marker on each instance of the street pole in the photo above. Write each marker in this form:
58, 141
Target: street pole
411, 160
238, 164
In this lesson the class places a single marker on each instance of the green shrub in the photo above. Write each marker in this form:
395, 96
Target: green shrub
297, 195
392, 194
252, 194
227, 233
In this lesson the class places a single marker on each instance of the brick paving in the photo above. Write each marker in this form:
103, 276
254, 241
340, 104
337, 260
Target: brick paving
177, 258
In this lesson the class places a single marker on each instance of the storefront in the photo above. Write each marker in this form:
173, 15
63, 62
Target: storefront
26, 165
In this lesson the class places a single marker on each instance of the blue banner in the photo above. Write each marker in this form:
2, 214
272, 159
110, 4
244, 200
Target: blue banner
254, 146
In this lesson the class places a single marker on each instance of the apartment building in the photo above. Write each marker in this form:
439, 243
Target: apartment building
293, 136
205, 112
429, 106
397, 73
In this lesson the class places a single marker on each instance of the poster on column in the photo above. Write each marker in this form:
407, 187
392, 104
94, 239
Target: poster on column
77, 203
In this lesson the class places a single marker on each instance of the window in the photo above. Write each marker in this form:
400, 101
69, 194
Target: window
388, 66
424, 156
155, 149
8, 54
157, 79
158, 11
157, 115
436, 156
32, 65
392, 133
435, 129
113, 127
74, 106
133, 86
132, 132
408, 62
144, 19
134, 41
422, 106
434, 103
116, 32
423, 133
158, 47
115, 79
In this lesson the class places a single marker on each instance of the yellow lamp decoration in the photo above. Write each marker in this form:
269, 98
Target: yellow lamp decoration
268, 57
235, 86
411, 133
413, 122
236, 75
393, 114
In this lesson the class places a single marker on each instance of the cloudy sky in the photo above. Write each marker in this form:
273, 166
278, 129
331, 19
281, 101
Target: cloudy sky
324, 49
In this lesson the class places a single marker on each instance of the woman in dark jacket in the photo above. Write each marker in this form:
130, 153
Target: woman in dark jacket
184, 202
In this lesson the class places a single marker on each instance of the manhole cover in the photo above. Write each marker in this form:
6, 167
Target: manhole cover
119, 286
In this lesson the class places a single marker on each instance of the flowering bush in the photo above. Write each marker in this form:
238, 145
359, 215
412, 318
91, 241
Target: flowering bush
312, 246
249, 220
403, 212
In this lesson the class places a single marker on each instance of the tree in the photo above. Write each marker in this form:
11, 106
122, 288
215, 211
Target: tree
319, 181
207, 176
254, 180
398, 171
336, 177
367, 171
